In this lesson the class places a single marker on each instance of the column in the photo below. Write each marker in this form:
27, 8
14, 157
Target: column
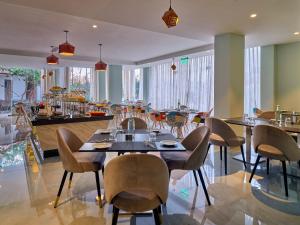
115, 83
229, 75
146, 74
101, 79
267, 77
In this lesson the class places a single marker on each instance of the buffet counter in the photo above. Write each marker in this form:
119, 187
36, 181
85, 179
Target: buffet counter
83, 127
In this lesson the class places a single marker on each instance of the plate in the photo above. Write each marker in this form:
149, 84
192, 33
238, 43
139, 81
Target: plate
156, 131
102, 145
103, 131
168, 143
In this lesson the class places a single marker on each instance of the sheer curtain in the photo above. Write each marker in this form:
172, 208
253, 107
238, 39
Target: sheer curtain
190, 84
132, 83
252, 80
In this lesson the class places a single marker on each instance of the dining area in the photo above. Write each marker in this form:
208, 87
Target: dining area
149, 112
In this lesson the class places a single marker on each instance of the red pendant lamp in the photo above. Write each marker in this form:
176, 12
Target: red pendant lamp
52, 59
100, 66
170, 17
66, 49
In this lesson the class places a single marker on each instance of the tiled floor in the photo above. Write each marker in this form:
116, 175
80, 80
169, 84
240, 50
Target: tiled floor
27, 192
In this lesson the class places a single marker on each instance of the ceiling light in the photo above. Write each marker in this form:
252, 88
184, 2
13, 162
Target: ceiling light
173, 67
170, 17
100, 66
296, 33
253, 15
95, 26
52, 59
66, 49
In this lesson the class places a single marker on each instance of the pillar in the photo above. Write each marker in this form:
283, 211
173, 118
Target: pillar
229, 75
115, 83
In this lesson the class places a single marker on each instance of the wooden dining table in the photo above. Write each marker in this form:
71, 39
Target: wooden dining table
249, 123
139, 143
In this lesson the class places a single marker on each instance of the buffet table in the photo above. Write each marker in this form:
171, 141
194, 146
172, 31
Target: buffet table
83, 127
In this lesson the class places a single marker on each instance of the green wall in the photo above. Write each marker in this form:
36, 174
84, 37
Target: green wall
287, 76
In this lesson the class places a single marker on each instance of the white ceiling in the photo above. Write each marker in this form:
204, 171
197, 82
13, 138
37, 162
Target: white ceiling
132, 30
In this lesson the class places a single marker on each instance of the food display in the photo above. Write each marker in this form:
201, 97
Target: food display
58, 103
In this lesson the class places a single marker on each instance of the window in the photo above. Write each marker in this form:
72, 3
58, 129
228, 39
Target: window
191, 84
252, 80
82, 79
132, 81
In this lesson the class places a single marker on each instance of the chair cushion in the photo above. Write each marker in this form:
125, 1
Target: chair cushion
271, 152
90, 161
136, 200
175, 160
215, 139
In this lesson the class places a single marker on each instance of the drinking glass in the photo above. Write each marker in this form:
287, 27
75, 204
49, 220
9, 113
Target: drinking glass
152, 137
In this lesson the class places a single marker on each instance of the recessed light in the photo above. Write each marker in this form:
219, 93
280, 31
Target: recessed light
296, 33
95, 26
253, 15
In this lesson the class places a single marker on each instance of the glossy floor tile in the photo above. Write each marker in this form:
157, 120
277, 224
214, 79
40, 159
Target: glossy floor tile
28, 190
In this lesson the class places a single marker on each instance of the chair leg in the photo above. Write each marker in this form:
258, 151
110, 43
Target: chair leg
268, 165
243, 156
170, 174
70, 180
221, 152
115, 215
98, 188
204, 187
103, 171
285, 178
195, 176
254, 168
225, 159
156, 216
208, 147
60, 188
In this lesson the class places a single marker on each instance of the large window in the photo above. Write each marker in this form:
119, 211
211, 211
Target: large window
82, 79
132, 81
191, 84
252, 80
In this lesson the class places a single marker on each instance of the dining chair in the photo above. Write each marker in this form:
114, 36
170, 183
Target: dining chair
200, 117
158, 118
196, 144
177, 120
274, 143
77, 162
136, 183
222, 135
139, 123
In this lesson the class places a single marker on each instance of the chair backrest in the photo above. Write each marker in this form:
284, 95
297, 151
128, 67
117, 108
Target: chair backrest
197, 142
176, 119
266, 115
139, 123
68, 143
116, 109
273, 136
134, 172
221, 128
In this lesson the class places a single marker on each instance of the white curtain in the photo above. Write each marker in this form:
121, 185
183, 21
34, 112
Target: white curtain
132, 82
252, 80
191, 84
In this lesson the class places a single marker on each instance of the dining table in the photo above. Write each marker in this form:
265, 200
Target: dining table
249, 123
142, 140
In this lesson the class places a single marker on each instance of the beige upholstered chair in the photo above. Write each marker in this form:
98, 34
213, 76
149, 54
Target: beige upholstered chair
77, 162
193, 158
266, 115
274, 143
136, 183
223, 136
139, 123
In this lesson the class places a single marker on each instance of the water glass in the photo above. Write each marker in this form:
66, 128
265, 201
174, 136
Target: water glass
152, 137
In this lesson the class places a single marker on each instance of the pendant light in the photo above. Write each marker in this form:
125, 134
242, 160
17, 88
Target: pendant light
100, 66
52, 59
173, 67
170, 17
66, 49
